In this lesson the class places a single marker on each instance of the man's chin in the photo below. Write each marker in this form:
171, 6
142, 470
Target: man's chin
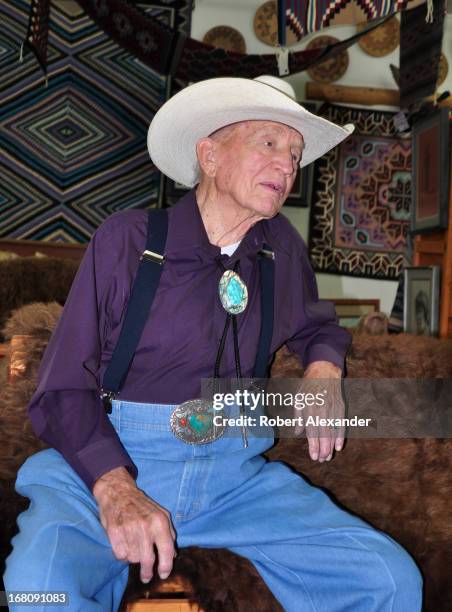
272, 207
264, 207
268, 205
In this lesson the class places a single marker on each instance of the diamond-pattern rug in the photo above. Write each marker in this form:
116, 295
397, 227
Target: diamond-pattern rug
74, 151
361, 198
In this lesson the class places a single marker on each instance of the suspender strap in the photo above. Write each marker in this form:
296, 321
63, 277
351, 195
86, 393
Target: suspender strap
142, 296
139, 306
267, 274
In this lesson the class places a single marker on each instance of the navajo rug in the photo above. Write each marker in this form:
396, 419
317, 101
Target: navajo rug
420, 52
361, 198
307, 17
169, 50
323, 13
74, 151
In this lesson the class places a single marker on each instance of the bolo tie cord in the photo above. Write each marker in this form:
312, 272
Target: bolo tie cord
238, 369
229, 317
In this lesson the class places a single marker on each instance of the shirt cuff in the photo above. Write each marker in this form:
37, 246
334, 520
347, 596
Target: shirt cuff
101, 457
323, 352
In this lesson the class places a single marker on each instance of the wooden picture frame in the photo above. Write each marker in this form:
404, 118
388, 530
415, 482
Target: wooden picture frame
421, 300
430, 185
349, 311
301, 193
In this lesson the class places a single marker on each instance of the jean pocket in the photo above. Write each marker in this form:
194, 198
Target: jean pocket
153, 442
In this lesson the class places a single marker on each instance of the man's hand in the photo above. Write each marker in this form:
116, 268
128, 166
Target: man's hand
323, 376
134, 523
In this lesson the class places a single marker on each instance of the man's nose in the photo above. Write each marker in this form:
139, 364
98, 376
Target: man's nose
284, 160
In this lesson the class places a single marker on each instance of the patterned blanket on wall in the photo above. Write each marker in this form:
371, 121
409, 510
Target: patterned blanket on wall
361, 198
74, 151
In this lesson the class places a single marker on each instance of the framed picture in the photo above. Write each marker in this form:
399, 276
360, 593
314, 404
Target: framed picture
421, 300
350, 311
301, 193
430, 186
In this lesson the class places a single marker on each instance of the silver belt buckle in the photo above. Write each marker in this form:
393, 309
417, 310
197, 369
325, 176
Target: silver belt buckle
192, 422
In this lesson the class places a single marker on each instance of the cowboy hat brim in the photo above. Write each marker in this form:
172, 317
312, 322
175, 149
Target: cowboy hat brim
200, 109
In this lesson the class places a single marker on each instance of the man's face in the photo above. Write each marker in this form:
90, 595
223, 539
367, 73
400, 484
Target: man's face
257, 162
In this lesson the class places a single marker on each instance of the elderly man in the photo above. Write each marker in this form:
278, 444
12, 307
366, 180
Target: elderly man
128, 483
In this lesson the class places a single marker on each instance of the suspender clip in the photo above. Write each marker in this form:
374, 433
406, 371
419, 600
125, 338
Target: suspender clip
151, 256
267, 253
107, 397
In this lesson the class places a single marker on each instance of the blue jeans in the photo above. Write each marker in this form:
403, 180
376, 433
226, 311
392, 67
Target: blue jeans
312, 555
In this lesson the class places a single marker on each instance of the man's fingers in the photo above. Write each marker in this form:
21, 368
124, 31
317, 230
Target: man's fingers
170, 524
133, 537
339, 443
147, 557
321, 443
135, 524
313, 443
325, 444
118, 542
165, 548
120, 552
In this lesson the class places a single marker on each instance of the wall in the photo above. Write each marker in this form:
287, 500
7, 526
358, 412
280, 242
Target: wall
363, 70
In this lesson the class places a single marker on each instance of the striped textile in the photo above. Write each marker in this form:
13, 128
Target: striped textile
360, 211
323, 13
74, 151
291, 15
420, 52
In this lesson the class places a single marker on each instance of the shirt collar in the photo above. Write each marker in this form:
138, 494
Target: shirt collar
187, 232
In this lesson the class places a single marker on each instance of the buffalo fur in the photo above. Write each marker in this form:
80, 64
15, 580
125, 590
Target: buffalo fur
216, 579
401, 486
374, 324
24, 280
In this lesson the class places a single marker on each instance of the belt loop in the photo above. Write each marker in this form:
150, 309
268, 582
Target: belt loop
118, 405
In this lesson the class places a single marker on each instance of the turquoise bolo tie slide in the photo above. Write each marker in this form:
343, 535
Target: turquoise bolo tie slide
193, 422
233, 292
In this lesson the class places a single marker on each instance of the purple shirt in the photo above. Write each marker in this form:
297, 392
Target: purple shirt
180, 340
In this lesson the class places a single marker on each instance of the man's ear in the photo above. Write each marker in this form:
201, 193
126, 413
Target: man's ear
206, 152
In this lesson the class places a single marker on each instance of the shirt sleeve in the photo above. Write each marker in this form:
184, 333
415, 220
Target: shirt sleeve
319, 337
66, 410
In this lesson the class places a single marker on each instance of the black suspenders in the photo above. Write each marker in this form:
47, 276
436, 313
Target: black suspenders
143, 293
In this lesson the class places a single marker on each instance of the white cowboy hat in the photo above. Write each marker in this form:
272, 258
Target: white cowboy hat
204, 107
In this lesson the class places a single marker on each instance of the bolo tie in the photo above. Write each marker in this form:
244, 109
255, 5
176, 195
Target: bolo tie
234, 299
192, 421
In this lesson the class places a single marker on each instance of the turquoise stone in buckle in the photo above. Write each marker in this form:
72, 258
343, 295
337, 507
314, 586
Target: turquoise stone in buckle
193, 422
233, 292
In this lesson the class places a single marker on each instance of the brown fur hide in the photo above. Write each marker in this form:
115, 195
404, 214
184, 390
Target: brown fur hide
220, 580
400, 486
33, 279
